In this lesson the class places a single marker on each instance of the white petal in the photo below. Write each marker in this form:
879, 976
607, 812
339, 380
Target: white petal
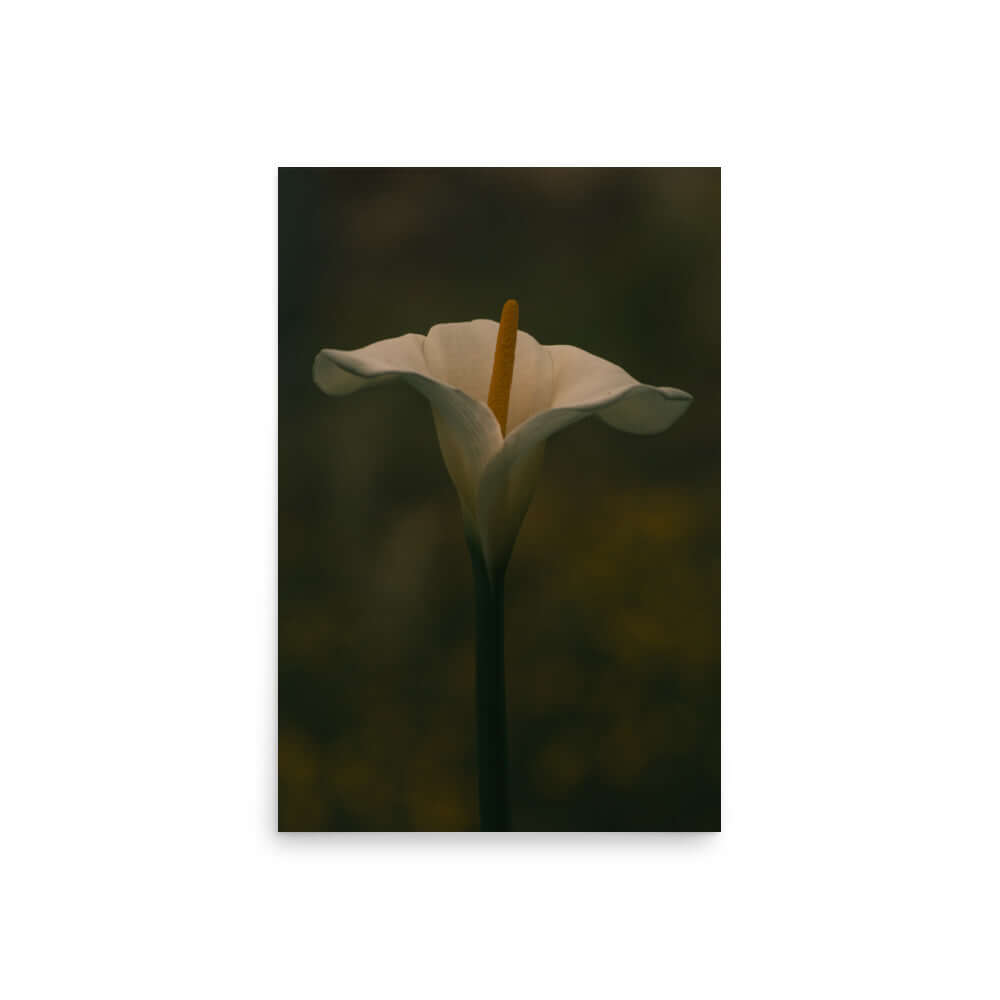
339, 373
505, 492
583, 384
461, 354
467, 430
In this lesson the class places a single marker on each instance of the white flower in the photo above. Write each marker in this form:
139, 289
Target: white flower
551, 388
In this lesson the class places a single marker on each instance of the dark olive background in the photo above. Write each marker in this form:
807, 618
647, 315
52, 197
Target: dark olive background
613, 590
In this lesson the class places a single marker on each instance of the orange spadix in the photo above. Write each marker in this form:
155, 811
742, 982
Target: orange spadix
503, 364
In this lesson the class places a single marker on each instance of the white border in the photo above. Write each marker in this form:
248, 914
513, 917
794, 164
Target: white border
138, 397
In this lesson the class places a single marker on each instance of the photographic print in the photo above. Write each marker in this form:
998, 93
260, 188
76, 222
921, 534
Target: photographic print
498, 499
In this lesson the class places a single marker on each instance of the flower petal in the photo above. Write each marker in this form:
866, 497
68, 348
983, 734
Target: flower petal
339, 373
585, 384
467, 430
461, 354
582, 384
505, 491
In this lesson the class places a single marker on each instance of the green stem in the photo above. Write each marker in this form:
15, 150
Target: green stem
491, 698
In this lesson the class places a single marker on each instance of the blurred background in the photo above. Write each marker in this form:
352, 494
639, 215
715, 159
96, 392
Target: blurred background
612, 598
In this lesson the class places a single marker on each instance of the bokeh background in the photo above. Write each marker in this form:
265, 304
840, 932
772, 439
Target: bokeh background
612, 600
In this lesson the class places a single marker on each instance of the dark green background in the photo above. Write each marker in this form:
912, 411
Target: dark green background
613, 589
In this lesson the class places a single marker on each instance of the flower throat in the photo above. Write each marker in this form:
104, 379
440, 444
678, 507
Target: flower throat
503, 364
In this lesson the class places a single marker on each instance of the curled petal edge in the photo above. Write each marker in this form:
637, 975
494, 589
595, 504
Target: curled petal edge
467, 429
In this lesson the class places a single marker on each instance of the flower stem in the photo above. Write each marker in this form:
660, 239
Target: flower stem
491, 697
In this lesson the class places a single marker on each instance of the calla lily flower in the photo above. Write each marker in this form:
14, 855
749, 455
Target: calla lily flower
497, 395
